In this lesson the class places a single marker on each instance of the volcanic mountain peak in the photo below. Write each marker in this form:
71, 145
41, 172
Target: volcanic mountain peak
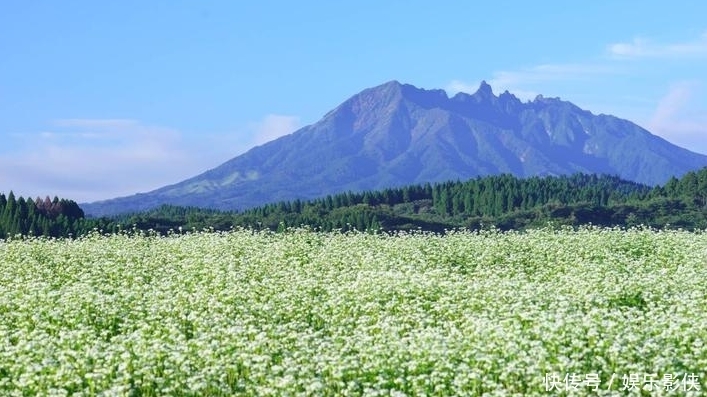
485, 90
397, 134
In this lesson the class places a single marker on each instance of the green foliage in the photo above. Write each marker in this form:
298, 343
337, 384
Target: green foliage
504, 201
54, 218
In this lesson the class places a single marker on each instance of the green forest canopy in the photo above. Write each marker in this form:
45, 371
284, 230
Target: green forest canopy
504, 201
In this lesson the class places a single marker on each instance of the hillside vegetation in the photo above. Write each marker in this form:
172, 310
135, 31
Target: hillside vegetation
503, 201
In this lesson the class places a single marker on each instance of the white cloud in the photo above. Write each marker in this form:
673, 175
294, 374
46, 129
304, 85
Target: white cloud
677, 116
109, 124
94, 159
638, 47
550, 72
676, 119
87, 160
676, 98
643, 48
518, 82
272, 127
680, 116
455, 86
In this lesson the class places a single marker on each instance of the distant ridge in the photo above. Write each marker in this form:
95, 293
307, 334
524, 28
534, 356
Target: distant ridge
396, 134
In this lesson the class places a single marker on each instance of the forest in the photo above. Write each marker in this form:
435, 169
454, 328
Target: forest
502, 201
57, 217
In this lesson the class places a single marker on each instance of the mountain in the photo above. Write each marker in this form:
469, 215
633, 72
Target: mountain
396, 134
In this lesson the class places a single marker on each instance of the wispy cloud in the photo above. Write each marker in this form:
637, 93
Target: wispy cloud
126, 140
671, 104
550, 72
94, 159
103, 124
87, 159
676, 119
679, 116
641, 47
272, 127
519, 81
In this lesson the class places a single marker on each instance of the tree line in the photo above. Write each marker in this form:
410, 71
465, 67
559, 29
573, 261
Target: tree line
57, 217
501, 201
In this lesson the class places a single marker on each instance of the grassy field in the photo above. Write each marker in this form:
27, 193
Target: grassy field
546, 312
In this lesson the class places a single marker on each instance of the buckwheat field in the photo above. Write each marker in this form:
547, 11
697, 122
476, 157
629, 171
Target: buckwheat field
303, 313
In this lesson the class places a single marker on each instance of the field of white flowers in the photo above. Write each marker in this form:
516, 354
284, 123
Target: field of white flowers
545, 312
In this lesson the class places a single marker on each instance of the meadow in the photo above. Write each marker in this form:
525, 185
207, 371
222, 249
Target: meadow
591, 311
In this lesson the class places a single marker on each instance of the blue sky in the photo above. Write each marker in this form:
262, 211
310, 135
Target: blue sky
103, 99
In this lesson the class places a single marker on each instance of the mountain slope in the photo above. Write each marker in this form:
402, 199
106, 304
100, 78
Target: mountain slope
396, 134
